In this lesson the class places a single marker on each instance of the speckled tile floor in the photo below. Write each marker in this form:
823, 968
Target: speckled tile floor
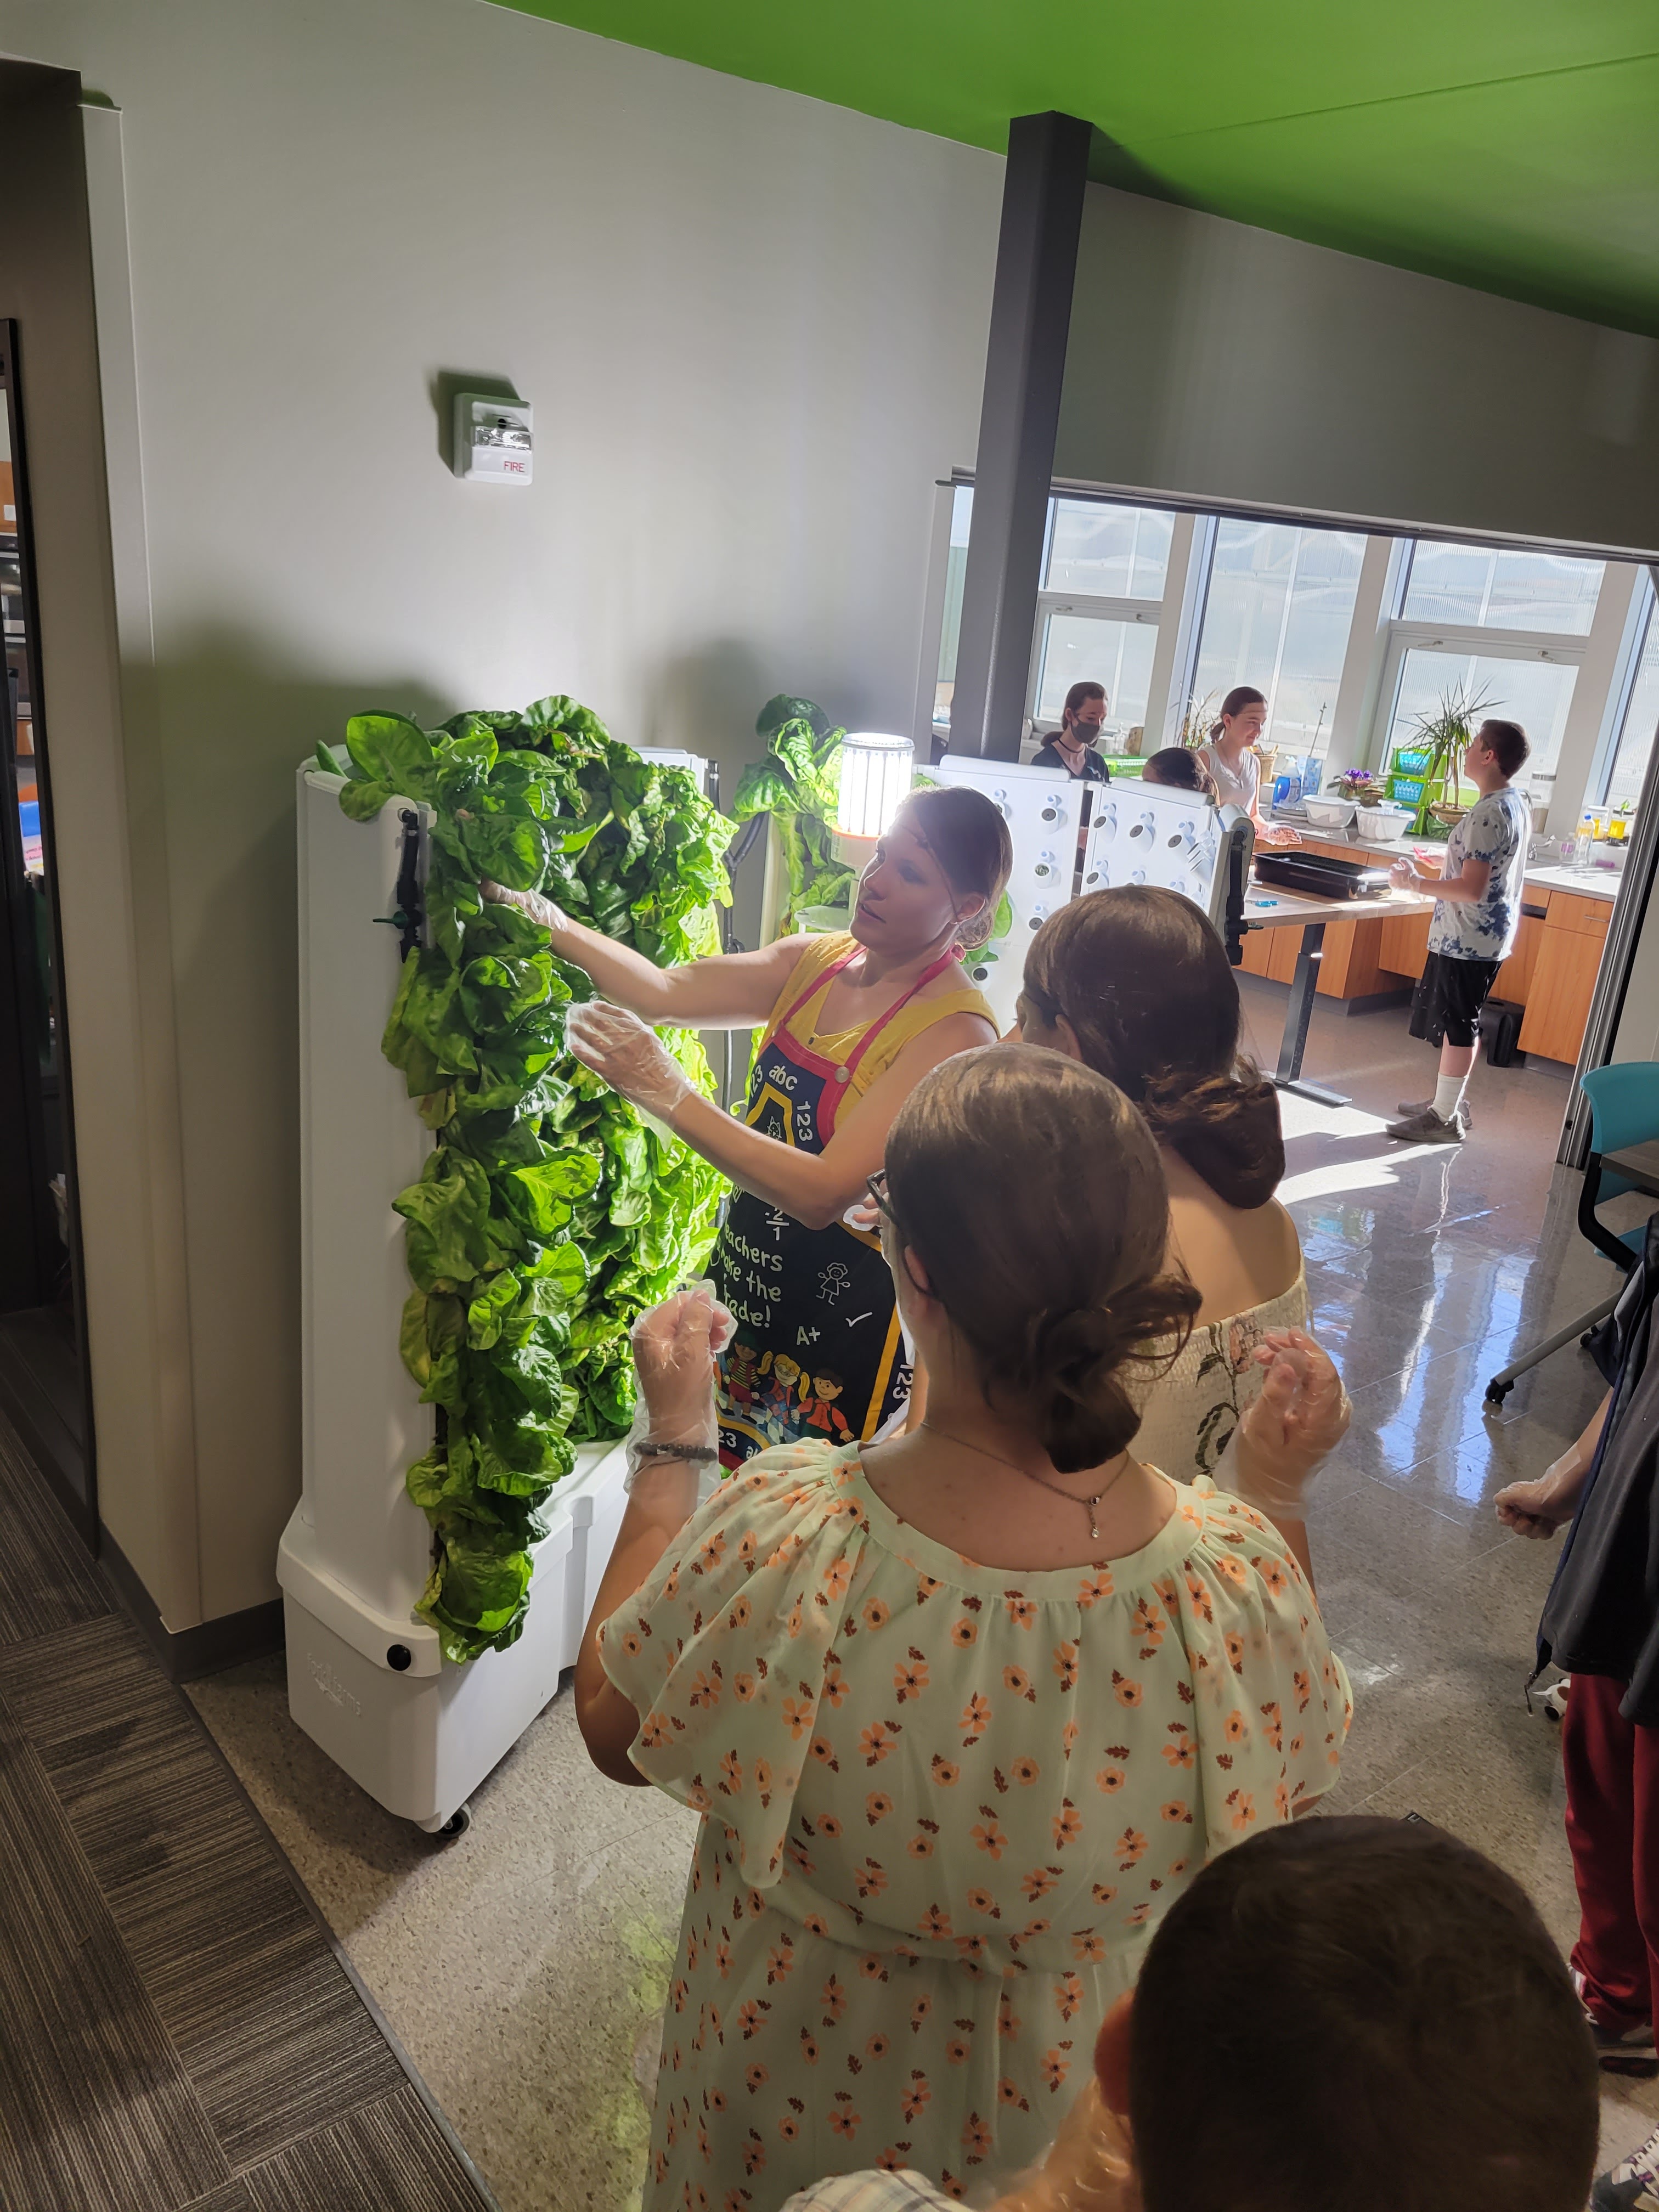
523, 1968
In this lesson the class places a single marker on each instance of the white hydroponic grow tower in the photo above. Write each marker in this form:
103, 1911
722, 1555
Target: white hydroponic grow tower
366, 1679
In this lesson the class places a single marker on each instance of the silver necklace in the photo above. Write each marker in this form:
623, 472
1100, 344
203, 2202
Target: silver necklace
1070, 1497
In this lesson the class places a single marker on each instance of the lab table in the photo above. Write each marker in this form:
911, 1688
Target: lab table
1266, 907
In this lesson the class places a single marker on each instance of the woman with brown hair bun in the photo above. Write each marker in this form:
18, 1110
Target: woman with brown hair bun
963, 1713
1135, 983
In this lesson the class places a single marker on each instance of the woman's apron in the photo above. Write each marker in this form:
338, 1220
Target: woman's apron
819, 1351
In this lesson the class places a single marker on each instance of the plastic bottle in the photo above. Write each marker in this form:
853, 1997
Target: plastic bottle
1585, 838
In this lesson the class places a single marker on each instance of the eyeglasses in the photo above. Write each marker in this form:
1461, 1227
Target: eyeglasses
876, 1186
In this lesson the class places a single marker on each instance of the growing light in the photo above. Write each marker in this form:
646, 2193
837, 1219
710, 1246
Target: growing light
875, 779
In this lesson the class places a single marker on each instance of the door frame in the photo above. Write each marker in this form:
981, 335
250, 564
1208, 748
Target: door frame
82, 1508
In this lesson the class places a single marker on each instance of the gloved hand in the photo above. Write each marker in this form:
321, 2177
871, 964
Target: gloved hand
674, 1346
531, 903
1285, 1437
1090, 2167
628, 1054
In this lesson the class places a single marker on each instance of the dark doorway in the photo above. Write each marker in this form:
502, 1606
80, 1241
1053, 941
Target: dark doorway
43, 1375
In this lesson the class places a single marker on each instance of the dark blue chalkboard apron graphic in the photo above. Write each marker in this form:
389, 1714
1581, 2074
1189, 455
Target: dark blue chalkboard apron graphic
819, 1351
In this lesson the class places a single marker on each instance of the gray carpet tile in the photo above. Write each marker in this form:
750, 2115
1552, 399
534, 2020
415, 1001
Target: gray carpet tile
389, 2157
270, 2030
178, 2032
97, 2113
47, 1579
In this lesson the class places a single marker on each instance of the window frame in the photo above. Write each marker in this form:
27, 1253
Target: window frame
1644, 627
1404, 637
1302, 530
1147, 614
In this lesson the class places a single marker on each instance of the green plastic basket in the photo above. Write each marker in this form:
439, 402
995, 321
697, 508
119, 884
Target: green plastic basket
1405, 790
1412, 760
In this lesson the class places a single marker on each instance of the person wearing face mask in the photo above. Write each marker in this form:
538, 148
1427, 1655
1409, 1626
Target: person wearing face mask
852, 1021
1231, 762
1072, 745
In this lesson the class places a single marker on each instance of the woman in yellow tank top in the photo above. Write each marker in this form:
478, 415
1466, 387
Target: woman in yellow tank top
852, 1024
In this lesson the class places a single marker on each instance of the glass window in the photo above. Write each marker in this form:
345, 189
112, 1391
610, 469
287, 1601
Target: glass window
1535, 693
1502, 588
1276, 616
1077, 648
1630, 761
1110, 552
962, 514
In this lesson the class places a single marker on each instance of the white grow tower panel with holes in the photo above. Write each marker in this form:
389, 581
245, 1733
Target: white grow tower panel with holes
366, 1679
1072, 837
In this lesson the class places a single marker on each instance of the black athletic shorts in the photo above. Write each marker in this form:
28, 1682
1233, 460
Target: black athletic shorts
1449, 994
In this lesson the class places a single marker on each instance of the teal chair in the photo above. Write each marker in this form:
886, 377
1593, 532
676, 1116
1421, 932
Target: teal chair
1623, 1111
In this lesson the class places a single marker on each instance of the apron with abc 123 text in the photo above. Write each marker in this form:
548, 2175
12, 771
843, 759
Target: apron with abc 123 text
818, 1351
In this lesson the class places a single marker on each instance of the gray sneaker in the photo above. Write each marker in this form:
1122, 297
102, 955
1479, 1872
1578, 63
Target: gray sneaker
1428, 1128
1632, 2185
1409, 1109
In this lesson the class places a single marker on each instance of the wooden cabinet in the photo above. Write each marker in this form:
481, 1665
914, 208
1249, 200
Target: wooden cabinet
1566, 962
1405, 944
1551, 972
1272, 953
1514, 979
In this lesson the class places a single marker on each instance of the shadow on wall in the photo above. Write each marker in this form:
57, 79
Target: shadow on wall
707, 701
234, 723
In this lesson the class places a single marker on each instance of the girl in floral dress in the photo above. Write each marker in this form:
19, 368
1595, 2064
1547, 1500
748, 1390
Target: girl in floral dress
962, 1711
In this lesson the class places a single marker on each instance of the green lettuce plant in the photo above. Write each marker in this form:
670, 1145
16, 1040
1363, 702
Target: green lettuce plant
797, 782
548, 1214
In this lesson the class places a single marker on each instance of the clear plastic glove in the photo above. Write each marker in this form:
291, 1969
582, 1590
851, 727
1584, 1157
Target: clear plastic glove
675, 1346
1285, 1437
1403, 875
531, 903
1541, 1509
1090, 2167
864, 1215
628, 1055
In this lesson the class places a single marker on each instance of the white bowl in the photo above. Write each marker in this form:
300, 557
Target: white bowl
1384, 825
1330, 813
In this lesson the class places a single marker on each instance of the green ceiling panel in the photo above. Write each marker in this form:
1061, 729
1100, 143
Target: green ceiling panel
1512, 144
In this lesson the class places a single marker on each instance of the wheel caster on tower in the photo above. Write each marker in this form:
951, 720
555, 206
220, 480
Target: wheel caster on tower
1497, 1392
446, 1831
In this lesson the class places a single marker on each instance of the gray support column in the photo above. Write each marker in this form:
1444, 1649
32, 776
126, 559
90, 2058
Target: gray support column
1019, 414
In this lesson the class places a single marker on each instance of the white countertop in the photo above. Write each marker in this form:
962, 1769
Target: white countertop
1582, 883
1588, 882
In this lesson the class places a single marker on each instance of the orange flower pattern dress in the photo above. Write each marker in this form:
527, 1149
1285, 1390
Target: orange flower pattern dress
944, 1807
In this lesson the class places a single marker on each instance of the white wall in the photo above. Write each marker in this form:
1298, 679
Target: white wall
753, 328
1222, 362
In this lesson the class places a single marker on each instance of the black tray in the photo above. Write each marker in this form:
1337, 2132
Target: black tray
1321, 875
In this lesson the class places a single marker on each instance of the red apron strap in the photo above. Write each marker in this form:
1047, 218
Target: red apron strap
897, 1007
841, 1076
826, 976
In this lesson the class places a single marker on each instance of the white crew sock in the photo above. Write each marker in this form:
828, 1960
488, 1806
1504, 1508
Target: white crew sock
1448, 1090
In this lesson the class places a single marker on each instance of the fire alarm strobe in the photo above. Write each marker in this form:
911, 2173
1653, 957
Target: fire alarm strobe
493, 439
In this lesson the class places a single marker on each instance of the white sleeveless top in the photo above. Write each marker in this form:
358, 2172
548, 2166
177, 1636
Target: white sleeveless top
1233, 788
1188, 1416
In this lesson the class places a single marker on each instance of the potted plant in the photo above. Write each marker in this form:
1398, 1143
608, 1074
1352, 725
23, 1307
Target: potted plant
1444, 737
1195, 722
